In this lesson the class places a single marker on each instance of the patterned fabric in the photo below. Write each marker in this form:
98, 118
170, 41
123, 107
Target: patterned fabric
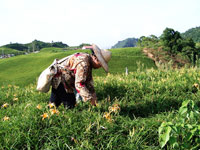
76, 73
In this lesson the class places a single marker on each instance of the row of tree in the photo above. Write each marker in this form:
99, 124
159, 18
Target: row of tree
35, 45
173, 43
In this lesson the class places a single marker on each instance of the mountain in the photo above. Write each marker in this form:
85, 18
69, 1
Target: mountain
193, 33
130, 42
34, 45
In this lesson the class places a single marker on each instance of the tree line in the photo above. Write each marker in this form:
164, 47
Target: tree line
35, 45
173, 42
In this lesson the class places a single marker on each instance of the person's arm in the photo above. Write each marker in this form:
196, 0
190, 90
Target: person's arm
86, 90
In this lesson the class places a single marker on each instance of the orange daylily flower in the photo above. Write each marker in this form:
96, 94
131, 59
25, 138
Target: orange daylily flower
114, 108
39, 106
5, 105
15, 99
54, 111
196, 85
6, 118
107, 116
45, 115
51, 105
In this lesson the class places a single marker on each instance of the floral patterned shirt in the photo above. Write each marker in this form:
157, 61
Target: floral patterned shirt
76, 73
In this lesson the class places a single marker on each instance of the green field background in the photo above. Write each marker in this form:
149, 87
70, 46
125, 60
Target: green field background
25, 69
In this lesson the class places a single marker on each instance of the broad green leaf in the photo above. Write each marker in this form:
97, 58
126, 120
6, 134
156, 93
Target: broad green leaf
183, 110
185, 103
160, 129
164, 138
170, 124
189, 126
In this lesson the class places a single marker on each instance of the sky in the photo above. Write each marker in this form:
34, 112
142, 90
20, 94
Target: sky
103, 22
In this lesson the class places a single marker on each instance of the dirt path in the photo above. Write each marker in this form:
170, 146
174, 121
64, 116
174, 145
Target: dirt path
150, 55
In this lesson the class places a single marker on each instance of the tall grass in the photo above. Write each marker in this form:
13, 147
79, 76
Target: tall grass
145, 99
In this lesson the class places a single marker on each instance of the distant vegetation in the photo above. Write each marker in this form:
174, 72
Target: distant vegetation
5, 51
187, 43
193, 33
174, 44
130, 42
34, 45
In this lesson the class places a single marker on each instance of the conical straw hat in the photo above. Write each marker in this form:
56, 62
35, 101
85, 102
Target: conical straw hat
103, 56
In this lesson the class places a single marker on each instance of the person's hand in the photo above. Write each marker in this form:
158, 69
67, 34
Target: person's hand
93, 102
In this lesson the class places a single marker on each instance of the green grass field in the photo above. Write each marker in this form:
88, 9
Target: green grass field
129, 112
145, 98
25, 69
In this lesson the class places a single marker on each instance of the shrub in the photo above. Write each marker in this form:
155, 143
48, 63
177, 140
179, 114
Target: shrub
184, 131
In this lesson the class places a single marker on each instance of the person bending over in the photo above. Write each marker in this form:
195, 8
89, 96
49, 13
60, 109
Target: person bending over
75, 74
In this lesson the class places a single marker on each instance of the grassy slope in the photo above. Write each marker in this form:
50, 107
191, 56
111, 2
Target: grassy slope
23, 70
10, 51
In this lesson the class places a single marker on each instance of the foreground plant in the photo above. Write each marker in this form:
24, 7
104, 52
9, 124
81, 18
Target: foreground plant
15, 99
5, 105
107, 115
54, 111
184, 132
114, 108
6, 118
44, 116
39, 107
51, 105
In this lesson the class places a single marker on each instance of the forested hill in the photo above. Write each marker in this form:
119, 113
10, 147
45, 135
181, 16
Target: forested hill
130, 42
35, 45
193, 33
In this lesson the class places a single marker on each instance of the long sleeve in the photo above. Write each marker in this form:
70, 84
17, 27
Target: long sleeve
84, 82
